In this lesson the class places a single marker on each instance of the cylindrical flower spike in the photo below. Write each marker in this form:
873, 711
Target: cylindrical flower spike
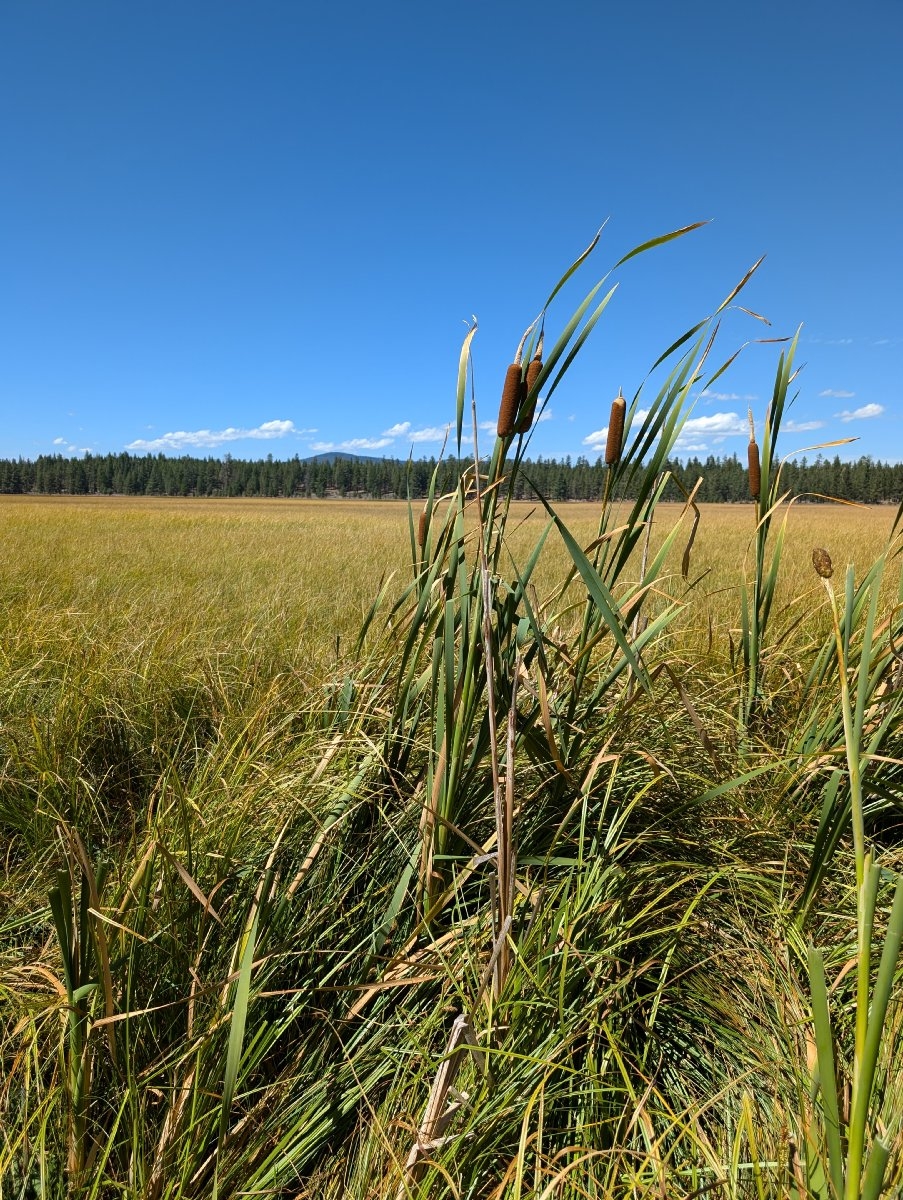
534, 366
821, 560
512, 395
755, 470
615, 441
421, 530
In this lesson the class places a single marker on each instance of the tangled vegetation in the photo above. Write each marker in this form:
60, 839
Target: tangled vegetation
543, 878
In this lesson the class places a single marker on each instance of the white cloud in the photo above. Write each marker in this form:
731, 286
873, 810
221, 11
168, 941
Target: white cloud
725, 397
597, 439
402, 429
59, 441
209, 438
728, 424
435, 433
837, 394
802, 426
545, 415
352, 444
861, 414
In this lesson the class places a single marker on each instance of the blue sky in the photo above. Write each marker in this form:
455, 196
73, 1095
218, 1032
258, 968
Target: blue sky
262, 228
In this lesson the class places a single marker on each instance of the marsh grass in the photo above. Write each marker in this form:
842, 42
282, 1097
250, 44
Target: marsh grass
514, 894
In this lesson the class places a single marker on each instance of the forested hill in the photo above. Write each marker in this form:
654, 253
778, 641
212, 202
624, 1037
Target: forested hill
724, 479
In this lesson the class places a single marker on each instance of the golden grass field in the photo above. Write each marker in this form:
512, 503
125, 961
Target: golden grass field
256, 581
185, 716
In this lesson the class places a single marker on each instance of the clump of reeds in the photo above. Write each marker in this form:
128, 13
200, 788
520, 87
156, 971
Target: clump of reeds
614, 443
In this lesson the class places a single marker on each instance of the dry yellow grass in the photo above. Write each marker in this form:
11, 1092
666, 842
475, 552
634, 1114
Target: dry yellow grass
278, 581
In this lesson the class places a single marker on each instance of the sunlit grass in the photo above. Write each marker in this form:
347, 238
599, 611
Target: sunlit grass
487, 867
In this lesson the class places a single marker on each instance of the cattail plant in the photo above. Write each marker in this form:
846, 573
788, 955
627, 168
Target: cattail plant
534, 368
514, 391
755, 470
422, 526
821, 560
615, 441
512, 394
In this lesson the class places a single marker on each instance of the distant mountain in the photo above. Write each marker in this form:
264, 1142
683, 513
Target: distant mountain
331, 456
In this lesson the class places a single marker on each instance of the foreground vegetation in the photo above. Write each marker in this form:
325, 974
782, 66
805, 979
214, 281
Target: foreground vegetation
564, 862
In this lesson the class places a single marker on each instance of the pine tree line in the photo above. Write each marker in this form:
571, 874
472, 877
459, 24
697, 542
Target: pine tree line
724, 478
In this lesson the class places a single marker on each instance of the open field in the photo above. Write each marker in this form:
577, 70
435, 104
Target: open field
269, 584
233, 946
494, 856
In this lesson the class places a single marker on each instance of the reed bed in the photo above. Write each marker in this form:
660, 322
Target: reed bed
485, 851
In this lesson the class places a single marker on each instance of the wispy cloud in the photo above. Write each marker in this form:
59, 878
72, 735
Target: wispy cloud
724, 397
861, 414
802, 426
208, 439
831, 341
433, 433
837, 394
71, 447
352, 444
402, 429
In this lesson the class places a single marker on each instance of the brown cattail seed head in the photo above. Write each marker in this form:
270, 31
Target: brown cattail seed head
533, 369
615, 439
512, 395
421, 529
821, 560
755, 471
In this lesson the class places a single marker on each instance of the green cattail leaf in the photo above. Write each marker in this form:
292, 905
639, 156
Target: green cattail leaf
573, 267
873, 1183
575, 349
876, 1017
463, 363
239, 1017
865, 652
599, 593
659, 241
827, 1078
